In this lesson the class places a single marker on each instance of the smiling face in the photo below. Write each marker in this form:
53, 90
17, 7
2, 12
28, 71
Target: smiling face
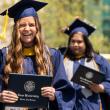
77, 44
27, 30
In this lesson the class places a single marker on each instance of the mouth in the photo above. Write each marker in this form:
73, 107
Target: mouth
27, 35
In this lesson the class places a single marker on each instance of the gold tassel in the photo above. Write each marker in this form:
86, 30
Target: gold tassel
3, 34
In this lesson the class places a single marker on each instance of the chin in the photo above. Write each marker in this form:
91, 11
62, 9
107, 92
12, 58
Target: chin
28, 40
77, 53
27, 43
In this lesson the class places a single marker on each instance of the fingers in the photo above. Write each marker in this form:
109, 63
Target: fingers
97, 88
93, 88
8, 97
48, 92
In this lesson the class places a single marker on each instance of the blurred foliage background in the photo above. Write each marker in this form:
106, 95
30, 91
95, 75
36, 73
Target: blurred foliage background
60, 13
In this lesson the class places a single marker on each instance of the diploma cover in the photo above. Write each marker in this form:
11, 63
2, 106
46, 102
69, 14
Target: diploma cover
86, 76
28, 89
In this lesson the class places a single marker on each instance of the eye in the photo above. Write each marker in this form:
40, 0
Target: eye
73, 41
32, 25
22, 25
79, 42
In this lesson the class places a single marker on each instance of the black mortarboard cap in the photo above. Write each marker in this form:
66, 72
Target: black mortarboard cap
24, 8
79, 26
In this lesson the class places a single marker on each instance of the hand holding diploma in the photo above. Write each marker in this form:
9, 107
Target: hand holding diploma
8, 96
48, 92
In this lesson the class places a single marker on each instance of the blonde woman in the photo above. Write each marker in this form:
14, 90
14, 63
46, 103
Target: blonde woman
28, 54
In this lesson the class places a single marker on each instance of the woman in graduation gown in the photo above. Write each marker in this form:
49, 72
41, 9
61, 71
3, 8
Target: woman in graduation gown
80, 51
28, 54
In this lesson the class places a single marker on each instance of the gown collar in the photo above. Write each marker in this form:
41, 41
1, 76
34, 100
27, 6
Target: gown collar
28, 51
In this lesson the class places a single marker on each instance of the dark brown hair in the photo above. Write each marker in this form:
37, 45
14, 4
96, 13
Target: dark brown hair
89, 52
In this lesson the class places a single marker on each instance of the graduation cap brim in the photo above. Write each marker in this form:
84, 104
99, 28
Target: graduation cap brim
79, 23
21, 5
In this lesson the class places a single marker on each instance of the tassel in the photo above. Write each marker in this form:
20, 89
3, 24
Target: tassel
3, 34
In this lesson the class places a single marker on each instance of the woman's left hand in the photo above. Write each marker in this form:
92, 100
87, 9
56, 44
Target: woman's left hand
48, 92
97, 88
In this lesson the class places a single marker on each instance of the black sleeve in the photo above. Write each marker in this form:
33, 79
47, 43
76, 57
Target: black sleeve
53, 105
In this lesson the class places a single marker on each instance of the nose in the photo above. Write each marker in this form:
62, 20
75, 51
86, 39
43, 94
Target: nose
27, 27
75, 44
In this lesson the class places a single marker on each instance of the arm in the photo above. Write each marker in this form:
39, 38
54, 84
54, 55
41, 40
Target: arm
104, 66
5, 95
64, 93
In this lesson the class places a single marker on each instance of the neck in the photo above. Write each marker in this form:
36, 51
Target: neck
79, 56
76, 57
28, 45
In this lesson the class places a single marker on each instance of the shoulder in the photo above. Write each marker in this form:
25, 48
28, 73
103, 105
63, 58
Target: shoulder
2, 58
54, 52
56, 56
100, 59
3, 51
62, 49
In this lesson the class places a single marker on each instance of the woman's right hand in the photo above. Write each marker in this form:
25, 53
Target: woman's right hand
8, 96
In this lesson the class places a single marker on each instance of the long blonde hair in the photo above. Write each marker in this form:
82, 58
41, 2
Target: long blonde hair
14, 57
